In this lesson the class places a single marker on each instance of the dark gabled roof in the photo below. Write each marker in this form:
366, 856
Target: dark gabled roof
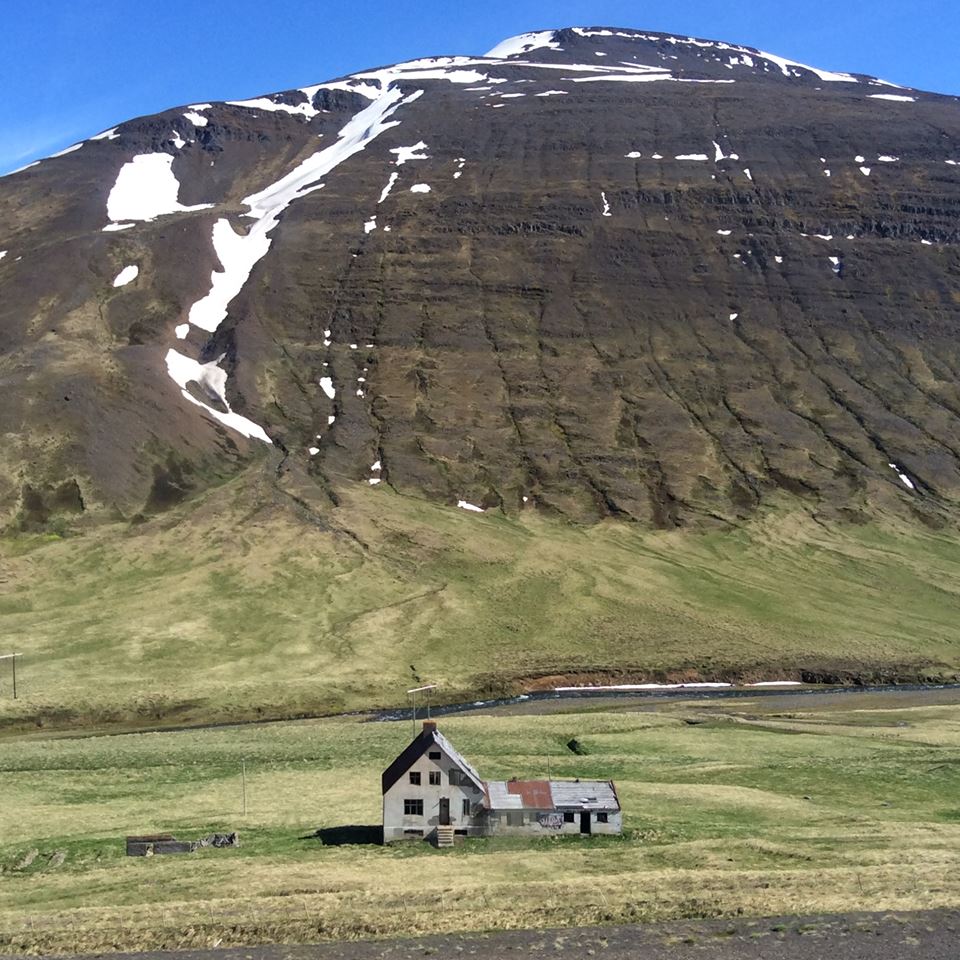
427, 738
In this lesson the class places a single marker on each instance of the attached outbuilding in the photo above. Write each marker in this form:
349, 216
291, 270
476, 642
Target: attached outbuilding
431, 791
552, 806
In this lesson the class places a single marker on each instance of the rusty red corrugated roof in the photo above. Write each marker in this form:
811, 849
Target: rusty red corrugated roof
534, 794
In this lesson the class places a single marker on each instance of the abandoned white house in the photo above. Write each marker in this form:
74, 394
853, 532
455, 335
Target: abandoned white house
431, 791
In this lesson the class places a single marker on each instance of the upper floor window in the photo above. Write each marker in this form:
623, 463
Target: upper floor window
435, 778
415, 777
434, 754
413, 808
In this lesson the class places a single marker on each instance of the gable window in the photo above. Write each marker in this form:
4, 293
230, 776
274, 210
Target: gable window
466, 808
434, 754
601, 818
435, 778
415, 777
568, 816
459, 779
413, 808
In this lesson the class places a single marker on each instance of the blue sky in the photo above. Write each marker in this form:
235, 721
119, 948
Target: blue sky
70, 69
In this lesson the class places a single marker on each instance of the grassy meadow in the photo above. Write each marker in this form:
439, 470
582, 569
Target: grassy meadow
239, 604
729, 810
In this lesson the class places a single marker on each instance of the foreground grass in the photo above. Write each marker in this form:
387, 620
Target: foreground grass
237, 606
735, 813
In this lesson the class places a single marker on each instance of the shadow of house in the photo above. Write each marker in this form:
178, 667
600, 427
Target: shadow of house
347, 835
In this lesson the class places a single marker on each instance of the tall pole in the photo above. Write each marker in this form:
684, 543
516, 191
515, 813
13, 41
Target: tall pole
243, 781
413, 699
12, 657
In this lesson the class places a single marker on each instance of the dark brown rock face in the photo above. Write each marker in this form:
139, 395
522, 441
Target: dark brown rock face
614, 274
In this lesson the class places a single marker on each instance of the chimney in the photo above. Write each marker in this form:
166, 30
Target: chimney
429, 726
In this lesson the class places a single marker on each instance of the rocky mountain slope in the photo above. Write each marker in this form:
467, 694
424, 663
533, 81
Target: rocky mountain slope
597, 272
595, 275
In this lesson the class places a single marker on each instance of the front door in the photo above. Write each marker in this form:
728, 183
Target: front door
445, 811
585, 821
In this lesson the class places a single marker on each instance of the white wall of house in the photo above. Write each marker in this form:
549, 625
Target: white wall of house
549, 823
401, 825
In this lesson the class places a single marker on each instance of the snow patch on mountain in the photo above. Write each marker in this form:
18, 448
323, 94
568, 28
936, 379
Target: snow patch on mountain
145, 189
414, 152
451, 69
385, 192
63, 153
239, 253
126, 275
904, 479
304, 109
211, 378
524, 43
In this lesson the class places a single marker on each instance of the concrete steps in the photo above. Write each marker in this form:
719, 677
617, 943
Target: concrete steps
444, 836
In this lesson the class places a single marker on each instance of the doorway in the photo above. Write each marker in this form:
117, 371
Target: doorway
445, 811
585, 821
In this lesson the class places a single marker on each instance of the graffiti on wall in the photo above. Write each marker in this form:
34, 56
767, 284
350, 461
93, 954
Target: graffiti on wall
550, 821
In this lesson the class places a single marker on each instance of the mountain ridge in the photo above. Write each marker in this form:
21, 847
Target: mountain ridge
706, 58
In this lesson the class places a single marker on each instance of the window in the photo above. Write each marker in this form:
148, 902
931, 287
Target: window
465, 809
514, 818
435, 778
413, 833
568, 816
434, 754
413, 808
459, 779
601, 818
415, 777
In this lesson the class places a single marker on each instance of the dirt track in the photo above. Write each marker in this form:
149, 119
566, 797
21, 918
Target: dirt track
930, 935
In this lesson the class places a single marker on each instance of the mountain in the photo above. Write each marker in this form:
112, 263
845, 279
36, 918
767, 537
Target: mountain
597, 284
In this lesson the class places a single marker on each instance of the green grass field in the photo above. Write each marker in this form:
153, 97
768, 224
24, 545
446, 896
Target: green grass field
237, 605
739, 813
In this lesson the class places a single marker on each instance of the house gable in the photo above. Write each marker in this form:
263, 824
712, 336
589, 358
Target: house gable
428, 739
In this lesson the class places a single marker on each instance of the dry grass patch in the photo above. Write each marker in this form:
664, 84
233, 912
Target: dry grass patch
716, 824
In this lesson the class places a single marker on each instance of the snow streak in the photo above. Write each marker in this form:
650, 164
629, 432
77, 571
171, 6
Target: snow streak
240, 252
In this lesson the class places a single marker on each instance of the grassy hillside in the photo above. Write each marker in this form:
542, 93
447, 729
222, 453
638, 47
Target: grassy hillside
243, 603
739, 813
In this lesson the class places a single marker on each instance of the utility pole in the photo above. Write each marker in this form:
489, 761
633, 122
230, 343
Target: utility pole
243, 782
12, 657
413, 696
